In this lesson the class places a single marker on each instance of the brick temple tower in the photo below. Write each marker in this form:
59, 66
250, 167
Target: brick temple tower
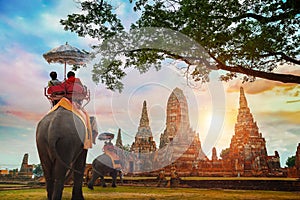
177, 117
26, 169
144, 142
214, 156
144, 146
248, 153
297, 161
179, 144
119, 140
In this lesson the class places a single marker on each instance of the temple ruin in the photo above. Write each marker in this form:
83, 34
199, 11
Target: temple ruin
26, 170
180, 146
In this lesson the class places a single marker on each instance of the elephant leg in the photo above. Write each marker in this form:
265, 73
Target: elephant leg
79, 165
121, 177
114, 177
47, 166
59, 179
49, 179
102, 181
95, 176
49, 188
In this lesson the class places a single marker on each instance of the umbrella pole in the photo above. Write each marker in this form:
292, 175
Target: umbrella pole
65, 71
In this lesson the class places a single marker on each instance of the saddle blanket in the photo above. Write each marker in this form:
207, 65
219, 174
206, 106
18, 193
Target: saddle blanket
115, 159
82, 114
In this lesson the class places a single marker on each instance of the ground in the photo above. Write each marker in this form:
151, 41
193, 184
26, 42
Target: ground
150, 193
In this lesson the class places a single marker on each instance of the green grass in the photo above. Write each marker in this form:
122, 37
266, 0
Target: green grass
238, 178
209, 178
150, 193
11, 185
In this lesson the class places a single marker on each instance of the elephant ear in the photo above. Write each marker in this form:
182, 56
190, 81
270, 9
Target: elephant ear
106, 136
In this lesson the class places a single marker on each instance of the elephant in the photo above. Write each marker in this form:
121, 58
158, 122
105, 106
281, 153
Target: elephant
102, 166
59, 138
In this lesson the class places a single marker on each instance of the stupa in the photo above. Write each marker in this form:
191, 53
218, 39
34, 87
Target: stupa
144, 142
179, 144
26, 170
248, 153
119, 139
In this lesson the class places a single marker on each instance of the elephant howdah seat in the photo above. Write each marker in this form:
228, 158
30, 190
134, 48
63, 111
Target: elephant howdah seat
115, 159
109, 150
72, 91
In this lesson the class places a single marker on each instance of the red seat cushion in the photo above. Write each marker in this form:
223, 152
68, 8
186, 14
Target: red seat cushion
56, 89
73, 87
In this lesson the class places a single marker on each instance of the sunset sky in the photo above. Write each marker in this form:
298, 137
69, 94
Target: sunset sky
30, 28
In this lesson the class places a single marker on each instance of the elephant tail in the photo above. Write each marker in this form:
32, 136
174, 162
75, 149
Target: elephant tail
55, 156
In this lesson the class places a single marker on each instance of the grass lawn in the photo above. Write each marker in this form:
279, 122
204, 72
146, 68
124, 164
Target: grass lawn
11, 185
151, 193
239, 178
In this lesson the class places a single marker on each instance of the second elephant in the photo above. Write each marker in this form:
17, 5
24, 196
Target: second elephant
103, 165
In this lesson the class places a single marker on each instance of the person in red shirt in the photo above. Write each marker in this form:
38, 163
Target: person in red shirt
72, 79
74, 87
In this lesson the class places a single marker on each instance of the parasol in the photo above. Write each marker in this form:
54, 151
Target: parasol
66, 54
106, 136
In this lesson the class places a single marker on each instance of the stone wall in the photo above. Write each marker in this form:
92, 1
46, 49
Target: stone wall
274, 185
259, 184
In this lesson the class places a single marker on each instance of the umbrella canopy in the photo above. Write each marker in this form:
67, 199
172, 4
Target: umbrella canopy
106, 136
66, 54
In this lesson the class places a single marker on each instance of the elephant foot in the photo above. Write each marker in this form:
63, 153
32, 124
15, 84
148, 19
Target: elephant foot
104, 185
77, 198
113, 185
90, 186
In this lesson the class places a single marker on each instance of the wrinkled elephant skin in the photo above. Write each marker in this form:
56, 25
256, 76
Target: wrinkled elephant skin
59, 137
102, 166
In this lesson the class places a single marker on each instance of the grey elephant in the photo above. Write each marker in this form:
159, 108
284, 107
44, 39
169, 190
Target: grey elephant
103, 165
59, 138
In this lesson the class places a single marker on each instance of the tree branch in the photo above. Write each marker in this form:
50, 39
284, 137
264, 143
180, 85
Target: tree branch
283, 56
261, 18
168, 53
287, 58
285, 78
290, 8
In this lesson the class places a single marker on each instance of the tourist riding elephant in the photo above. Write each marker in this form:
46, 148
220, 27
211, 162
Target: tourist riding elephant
103, 165
59, 137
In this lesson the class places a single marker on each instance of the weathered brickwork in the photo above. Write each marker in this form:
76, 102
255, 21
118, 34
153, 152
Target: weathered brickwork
180, 146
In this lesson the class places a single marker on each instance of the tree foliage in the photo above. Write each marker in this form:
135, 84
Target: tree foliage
126, 147
225, 153
38, 170
290, 162
248, 37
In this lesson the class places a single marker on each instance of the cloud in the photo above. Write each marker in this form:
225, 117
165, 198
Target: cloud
24, 79
282, 137
262, 85
284, 117
121, 8
30, 116
123, 110
24, 73
281, 131
15, 142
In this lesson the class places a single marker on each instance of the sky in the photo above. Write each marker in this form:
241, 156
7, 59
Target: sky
30, 28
